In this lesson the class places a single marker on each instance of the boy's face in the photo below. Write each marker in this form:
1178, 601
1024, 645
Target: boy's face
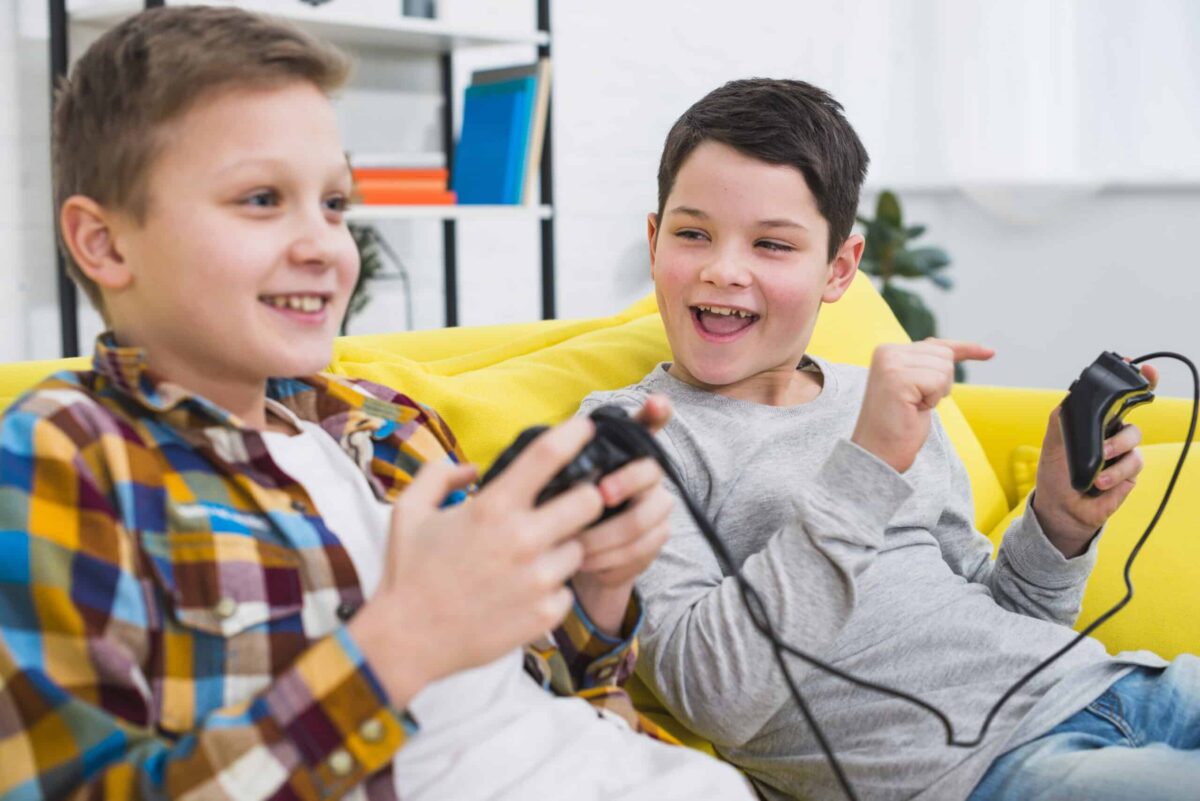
740, 266
242, 266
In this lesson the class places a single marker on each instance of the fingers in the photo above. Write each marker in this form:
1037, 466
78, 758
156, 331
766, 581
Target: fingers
434, 481
1150, 372
640, 552
565, 515
1122, 442
1125, 470
632, 479
964, 351
648, 512
541, 460
655, 413
552, 569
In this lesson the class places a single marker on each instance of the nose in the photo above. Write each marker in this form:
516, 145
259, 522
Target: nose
726, 268
316, 241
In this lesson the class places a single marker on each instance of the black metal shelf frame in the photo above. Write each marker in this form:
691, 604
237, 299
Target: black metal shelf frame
68, 294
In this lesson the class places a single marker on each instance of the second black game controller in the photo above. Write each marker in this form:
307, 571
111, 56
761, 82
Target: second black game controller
619, 439
1094, 410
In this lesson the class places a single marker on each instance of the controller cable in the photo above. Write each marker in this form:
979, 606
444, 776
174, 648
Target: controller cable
646, 441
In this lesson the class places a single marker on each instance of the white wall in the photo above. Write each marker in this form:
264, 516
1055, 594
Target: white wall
1050, 148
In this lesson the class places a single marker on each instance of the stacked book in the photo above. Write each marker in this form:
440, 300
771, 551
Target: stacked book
401, 180
504, 126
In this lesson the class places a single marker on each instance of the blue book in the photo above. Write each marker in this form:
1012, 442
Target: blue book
489, 162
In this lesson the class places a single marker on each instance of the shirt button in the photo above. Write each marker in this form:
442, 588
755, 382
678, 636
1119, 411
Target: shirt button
341, 763
299, 506
345, 611
372, 731
225, 608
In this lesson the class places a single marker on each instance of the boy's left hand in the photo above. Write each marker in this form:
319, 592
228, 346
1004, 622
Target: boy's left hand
1071, 519
619, 549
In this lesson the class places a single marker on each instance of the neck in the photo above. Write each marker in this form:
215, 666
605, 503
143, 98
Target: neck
245, 397
779, 386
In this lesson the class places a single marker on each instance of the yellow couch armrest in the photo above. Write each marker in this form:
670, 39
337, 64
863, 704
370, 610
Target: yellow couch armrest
1006, 418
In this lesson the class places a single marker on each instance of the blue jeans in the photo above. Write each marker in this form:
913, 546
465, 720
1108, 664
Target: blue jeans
1139, 740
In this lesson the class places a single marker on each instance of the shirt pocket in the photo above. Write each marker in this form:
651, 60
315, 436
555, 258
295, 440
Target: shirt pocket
225, 584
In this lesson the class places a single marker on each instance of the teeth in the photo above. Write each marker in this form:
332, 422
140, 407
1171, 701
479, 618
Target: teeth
725, 312
300, 303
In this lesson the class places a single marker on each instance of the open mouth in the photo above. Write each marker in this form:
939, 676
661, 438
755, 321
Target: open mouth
300, 305
722, 322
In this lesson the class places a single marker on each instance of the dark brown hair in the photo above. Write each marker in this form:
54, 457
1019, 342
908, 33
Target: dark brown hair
110, 114
779, 122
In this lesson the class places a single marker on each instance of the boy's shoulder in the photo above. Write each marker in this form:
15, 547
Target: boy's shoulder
630, 397
67, 400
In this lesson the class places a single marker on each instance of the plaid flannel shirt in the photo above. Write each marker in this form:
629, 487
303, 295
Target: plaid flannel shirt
172, 607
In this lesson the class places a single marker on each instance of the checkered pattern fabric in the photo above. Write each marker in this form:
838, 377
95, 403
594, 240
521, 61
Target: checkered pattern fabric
172, 607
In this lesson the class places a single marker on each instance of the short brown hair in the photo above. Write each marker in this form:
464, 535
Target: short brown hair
151, 69
779, 122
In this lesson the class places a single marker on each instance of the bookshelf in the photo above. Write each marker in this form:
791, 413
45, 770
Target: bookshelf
400, 34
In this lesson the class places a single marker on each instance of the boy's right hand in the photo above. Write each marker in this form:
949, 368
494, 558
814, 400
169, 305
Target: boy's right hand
904, 385
462, 586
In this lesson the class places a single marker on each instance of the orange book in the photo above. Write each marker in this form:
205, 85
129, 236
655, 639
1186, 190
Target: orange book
395, 196
400, 183
397, 174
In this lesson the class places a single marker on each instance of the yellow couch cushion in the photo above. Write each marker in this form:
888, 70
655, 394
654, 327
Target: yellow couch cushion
539, 374
1166, 593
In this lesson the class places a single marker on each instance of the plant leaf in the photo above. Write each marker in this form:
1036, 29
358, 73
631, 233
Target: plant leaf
911, 311
888, 209
912, 232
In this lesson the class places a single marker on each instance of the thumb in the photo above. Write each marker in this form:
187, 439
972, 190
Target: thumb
433, 482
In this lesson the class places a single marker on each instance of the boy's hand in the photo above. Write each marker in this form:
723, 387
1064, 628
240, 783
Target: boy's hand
463, 585
904, 385
619, 549
1071, 519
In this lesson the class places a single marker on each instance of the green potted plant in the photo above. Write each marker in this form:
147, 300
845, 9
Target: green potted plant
889, 258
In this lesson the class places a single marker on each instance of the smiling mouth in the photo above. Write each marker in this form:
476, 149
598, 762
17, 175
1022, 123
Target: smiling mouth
722, 321
299, 303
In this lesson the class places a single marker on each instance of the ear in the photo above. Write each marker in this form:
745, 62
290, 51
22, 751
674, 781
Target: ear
843, 268
652, 238
88, 233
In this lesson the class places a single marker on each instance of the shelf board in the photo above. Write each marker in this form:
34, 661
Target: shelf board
365, 213
414, 34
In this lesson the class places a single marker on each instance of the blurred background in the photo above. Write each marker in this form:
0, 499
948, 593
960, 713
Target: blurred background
1050, 148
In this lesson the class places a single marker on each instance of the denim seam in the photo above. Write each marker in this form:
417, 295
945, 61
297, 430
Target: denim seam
1108, 707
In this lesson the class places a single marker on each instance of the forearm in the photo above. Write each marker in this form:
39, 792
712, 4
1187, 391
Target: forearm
1032, 576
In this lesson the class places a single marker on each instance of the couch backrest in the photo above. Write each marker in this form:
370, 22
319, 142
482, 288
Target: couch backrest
491, 382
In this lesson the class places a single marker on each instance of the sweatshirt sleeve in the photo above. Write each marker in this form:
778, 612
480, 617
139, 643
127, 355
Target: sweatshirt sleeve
1029, 575
700, 647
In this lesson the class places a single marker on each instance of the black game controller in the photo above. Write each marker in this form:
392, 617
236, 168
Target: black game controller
1094, 410
619, 439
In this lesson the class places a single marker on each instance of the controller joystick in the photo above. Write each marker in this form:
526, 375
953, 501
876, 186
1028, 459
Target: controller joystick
1094, 410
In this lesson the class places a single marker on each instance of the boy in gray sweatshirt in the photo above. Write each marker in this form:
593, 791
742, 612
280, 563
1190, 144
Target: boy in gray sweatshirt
845, 505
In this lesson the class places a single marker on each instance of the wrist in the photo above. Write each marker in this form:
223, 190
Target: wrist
604, 605
393, 651
1062, 531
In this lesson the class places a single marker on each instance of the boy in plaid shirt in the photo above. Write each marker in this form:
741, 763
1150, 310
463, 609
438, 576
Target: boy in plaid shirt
206, 592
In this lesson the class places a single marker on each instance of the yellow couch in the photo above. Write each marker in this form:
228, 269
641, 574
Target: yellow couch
490, 382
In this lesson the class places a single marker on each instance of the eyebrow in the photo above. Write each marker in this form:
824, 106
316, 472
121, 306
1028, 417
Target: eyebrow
780, 222
343, 168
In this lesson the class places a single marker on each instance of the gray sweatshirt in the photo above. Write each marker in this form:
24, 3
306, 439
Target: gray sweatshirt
882, 575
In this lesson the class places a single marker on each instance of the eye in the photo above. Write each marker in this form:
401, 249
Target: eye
691, 235
777, 247
337, 204
262, 199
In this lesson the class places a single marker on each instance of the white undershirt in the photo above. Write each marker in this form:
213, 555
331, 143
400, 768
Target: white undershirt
490, 732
